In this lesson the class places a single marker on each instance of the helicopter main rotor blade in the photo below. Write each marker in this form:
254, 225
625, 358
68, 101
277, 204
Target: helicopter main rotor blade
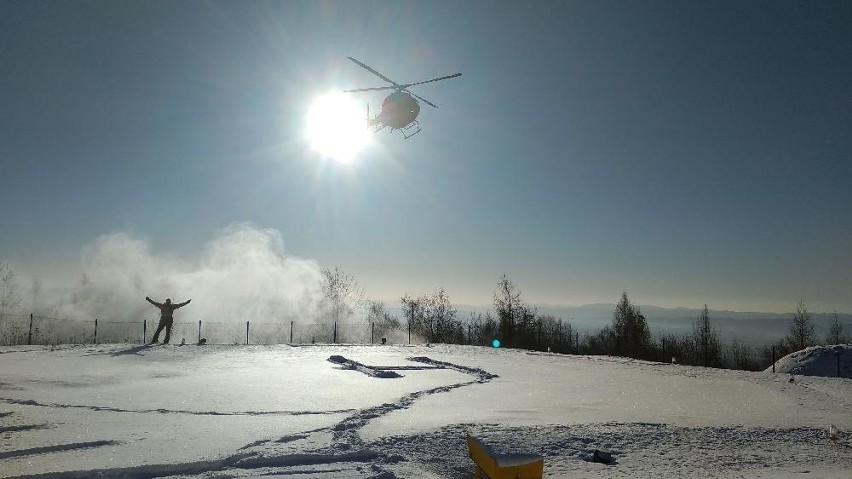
374, 72
422, 99
371, 89
454, 75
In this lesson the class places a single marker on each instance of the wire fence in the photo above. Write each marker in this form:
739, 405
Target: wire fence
44, 330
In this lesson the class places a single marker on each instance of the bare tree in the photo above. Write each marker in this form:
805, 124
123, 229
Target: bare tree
433, 317
342, 292
836, 335
10, 293
383, 320
555, 334
801, 329
483, 328
442, 315
601, 342
509, 308
741, 356
414, 312
10, 301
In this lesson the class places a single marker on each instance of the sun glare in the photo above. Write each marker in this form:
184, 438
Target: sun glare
337, 127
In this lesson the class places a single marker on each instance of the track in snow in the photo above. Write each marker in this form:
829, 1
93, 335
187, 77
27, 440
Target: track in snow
345, 452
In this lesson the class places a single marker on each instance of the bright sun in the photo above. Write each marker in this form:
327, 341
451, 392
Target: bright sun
337, 127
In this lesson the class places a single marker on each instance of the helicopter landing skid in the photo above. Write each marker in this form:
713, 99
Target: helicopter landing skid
406, 130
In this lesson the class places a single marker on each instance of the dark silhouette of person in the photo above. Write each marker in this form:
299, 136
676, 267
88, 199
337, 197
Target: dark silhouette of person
166, 317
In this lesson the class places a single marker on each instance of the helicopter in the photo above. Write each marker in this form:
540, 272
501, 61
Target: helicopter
400, 108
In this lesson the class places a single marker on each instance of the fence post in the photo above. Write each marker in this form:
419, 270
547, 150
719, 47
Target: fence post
247, 328
469, 337
199, 331
372, 331
144, 330
291, 332
30, 335
577, 343
96, 330
409, 332
334, 338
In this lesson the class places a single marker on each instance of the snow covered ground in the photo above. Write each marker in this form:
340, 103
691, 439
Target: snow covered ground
403, 412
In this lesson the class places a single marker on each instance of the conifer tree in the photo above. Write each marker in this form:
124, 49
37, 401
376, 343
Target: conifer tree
631, 333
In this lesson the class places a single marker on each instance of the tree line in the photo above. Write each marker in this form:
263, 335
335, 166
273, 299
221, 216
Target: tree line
514, 323
517, 324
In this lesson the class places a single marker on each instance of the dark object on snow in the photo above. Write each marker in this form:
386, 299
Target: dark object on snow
372, 371
202, 341
602, 457
791, 380
384, 340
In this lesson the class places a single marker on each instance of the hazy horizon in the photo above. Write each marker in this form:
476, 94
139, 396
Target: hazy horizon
245, 253
244, 273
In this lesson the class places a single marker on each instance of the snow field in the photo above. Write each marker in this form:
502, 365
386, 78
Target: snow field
280, 411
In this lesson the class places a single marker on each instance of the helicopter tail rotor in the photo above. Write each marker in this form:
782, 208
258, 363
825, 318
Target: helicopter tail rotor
373, 121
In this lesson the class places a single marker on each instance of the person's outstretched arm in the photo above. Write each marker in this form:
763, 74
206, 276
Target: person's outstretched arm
180, 305
153, 302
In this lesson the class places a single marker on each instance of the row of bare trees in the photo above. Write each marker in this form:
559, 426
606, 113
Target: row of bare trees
629, 336
517, 324
433, 318
11, 298
802, 334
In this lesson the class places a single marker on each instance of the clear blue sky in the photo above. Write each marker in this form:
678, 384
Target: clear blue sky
687, 152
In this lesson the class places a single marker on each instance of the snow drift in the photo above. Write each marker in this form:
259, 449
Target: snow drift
826, 361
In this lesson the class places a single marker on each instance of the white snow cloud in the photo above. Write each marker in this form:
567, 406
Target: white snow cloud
243, 274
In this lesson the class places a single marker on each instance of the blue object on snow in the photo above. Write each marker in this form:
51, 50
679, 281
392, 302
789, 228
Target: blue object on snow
496, 343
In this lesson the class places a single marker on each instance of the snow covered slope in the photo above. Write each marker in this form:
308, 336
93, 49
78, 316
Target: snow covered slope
384, 412
827, 361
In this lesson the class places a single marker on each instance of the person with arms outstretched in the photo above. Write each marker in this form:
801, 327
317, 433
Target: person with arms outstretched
166, 317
